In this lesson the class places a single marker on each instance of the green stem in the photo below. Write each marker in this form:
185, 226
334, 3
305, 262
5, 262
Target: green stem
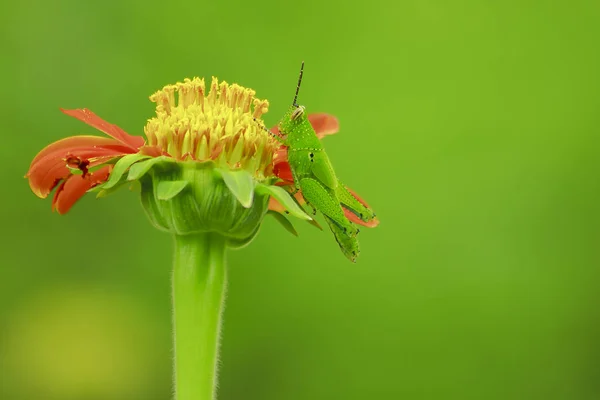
199, 282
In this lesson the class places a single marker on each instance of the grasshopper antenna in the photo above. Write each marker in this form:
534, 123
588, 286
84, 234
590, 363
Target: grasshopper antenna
299, 82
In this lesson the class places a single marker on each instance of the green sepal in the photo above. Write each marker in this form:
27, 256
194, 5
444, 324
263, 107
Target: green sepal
204, 205
106, 192
241, 184
135, 186
238, 243
121, 167
141, 168
75, 171
314, 223
151, 206
284, 222
285, 199
166, 190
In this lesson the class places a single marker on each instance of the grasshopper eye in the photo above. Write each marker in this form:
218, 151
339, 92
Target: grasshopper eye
298, 112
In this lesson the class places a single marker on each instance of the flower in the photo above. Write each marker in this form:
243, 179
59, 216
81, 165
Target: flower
210, 144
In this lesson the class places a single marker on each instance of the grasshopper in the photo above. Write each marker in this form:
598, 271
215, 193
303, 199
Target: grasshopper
315, 178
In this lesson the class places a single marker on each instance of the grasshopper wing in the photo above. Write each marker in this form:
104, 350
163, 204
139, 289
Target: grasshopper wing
322, 169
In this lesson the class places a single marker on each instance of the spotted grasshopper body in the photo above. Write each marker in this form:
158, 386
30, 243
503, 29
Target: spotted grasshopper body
315, 178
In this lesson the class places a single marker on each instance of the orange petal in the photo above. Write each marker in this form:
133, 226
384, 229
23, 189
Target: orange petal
75, 186
283, 171
357, 197
114, 131
324, 124
275, 130
281, 154
152, 151
276, 206
354, 218
43, 183
90, 154
44, 180
73, 143
45, 172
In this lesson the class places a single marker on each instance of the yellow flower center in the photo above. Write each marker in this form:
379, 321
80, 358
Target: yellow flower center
217, 126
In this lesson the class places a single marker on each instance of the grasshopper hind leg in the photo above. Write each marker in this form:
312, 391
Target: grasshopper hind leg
325, 201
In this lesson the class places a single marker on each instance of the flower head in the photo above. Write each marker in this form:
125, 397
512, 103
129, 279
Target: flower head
206, 165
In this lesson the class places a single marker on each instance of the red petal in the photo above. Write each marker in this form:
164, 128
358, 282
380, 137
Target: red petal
43, 180
281, 154
354, 218
43, 183
357, 197
324, 124
75, 186
283, 171
275, 130
46, 171
152, 151
114, 131
91, 155
276, 206
73, 143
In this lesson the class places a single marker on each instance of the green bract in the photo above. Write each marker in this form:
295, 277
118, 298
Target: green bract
190, 197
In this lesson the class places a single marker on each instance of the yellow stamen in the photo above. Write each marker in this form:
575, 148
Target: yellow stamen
220, 125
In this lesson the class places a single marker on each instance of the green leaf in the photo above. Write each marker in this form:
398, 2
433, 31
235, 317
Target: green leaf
241, 184
168, 189
313, 221
284, 222
140, 169
120, 167
285, 199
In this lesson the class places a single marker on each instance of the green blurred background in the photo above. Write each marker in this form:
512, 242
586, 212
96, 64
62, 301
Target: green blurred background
470, 126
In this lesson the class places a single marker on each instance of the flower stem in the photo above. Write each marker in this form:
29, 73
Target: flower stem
199, 283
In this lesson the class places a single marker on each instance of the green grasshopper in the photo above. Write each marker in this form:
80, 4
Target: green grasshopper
314, 176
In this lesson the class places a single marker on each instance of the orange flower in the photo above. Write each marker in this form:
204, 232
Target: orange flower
324, 125
190, 124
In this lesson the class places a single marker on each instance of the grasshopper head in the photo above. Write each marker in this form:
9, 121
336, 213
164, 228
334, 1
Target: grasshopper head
296, 114
293, 118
